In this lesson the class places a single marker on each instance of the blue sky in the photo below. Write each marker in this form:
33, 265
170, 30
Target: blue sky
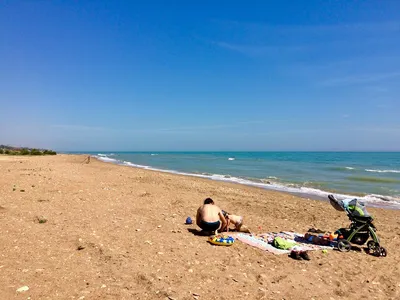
208, 75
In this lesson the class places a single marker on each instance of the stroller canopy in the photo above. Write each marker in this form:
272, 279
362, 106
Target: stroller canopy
353, 207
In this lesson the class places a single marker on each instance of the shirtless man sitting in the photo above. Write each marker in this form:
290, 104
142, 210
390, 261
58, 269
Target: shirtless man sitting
209, 217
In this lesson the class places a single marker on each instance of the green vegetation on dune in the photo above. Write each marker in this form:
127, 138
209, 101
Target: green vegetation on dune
9, 150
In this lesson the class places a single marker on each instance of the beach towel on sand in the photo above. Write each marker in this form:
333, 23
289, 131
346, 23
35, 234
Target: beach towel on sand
265, 241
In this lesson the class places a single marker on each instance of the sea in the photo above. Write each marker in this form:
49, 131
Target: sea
372, 177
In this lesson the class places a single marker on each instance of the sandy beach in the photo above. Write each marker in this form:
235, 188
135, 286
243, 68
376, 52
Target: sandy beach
71, 230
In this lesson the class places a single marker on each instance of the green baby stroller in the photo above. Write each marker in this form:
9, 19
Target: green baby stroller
361, 227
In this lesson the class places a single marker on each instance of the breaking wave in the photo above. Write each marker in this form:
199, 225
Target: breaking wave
382, 171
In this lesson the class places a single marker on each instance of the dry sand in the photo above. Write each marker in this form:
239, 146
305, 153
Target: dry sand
128, 225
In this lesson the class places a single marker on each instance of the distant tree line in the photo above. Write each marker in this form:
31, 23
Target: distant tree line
9, 150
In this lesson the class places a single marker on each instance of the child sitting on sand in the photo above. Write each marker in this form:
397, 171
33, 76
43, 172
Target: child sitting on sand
237, 221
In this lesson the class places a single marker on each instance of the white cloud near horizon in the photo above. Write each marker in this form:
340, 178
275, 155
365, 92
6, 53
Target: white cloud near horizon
328, 131
86, 128
78, 127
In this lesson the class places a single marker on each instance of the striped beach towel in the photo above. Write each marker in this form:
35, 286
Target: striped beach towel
263, 241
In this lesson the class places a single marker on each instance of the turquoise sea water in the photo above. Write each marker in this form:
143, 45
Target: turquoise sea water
372, 176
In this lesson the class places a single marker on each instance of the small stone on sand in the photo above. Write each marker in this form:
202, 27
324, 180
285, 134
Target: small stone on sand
23, 289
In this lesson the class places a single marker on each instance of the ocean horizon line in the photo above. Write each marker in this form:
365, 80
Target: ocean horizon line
231, 151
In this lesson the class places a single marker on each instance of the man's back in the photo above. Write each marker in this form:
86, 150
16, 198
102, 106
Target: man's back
209, 213
209, 217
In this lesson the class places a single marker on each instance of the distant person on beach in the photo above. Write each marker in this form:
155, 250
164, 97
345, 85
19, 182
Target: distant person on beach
209, 217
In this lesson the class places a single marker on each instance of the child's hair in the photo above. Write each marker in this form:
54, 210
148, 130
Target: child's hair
209, 201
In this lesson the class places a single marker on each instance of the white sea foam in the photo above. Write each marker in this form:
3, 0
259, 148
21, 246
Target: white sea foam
128, 163
107, 159
231, 158
382, 171
307, 192
349, 168
105, 155
153, 154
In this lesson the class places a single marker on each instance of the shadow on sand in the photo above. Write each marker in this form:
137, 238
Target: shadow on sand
200, 232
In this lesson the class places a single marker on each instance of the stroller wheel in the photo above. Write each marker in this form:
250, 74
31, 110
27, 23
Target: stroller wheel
382, 252
344, 245
372, 246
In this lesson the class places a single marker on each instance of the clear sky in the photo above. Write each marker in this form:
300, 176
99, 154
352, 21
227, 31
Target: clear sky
200, 75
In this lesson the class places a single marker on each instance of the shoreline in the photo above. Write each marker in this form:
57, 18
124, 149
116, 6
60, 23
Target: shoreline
377, 201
